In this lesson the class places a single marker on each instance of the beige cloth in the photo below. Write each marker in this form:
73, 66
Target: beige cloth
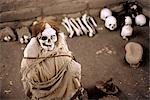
51, 76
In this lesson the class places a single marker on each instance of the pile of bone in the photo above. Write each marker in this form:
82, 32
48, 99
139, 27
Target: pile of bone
84, 25
23, 35
131, 12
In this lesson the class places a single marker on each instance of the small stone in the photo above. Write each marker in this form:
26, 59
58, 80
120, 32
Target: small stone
120, 82
7, 91
1, 78
10, 83
6, 74
109, 52
22, 48
142, 79
100, 28
22, 33
129, 94
99, 52
136, 84
103, 49
147, 96
106, 48
7, 31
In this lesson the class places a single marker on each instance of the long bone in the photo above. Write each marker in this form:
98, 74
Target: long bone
75, 28
93, 21
84, 29
68, 27
84, 19
77, 25
91, 25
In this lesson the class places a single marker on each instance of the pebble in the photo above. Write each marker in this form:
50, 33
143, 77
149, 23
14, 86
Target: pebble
22, 48
109, 52
100, 28
106, 50
10, 83
7, 91
6, 74
99, 52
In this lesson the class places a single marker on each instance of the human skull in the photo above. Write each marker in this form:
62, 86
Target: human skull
140, 20
105, 12
128, 20
126, 31
111, 23
48, 38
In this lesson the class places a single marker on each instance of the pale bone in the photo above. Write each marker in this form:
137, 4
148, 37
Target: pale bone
75, 28
84, 19
76, 24
82, 26
65, 20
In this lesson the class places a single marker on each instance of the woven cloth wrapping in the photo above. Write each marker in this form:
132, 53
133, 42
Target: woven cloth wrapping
51, 76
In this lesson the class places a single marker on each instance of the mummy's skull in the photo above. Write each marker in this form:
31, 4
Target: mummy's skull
140, 20
128, 20
111, 23
48, 38
105, 12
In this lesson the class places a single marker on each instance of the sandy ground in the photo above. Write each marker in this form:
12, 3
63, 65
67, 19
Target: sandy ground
133, 83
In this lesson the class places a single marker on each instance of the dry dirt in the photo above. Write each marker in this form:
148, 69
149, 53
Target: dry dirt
101, 57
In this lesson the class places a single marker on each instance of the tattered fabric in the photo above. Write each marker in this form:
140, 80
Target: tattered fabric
55, 76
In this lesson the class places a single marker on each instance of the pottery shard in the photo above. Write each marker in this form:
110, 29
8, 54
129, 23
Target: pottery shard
134, 52
7, 31
23, 31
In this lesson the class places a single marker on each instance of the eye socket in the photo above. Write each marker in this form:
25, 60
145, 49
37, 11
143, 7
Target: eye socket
53, 37
44, 37
109, 24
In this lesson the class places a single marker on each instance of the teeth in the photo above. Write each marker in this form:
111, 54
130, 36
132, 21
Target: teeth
47, 45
